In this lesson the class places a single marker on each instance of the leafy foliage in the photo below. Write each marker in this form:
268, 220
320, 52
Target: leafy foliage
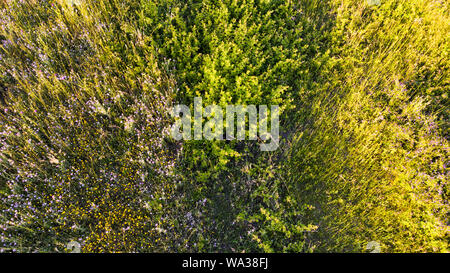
86, 88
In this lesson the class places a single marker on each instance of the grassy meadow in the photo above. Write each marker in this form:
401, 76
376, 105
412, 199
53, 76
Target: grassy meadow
86, 91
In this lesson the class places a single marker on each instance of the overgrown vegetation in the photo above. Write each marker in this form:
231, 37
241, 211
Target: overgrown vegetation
85, 152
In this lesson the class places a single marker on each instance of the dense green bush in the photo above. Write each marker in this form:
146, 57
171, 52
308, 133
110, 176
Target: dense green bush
86, 90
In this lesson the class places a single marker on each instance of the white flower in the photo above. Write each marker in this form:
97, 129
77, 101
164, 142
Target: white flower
53, 160
73, 2
129, 122
99, 108
160, 230
374, 2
